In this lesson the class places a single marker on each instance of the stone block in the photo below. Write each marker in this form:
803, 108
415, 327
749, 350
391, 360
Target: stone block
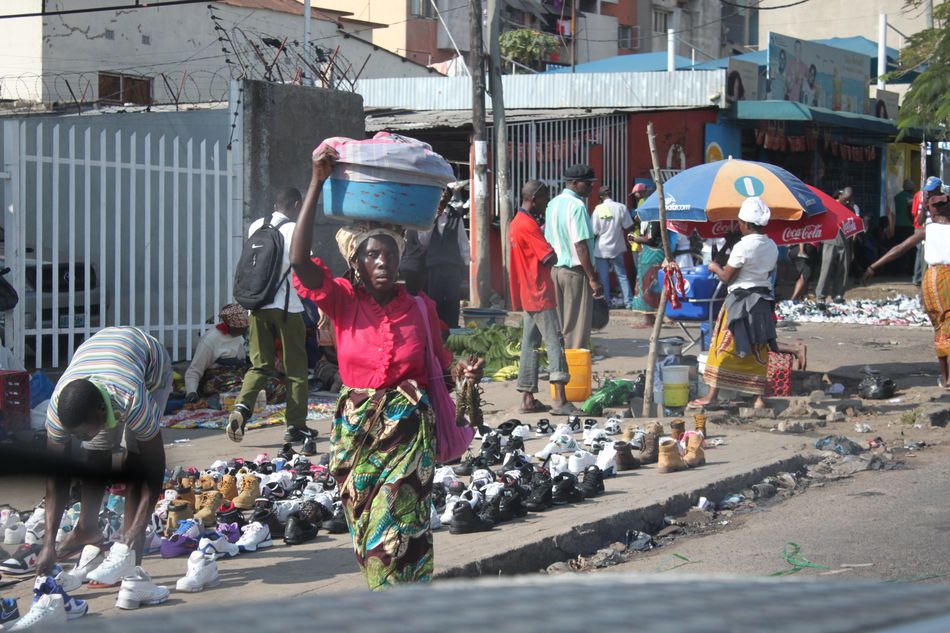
933, 414
617, 412
753, 413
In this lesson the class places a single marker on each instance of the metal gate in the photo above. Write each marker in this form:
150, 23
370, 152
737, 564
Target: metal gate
542, 150
123, 219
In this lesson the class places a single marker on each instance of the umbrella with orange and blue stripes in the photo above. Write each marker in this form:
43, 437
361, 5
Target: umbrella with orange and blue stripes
715, 191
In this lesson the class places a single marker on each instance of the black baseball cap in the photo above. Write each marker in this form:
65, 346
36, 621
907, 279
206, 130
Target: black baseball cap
580, 172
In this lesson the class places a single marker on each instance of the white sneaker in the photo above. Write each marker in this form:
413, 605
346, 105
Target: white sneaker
34, 535
15, 532
473, 497
255, 536
523, 431
590, 433
202, 572
220, 466
613, 426
5, 513
138, 589
606, 459
579, 461
558, 464
595, 435
481, 478
67, 580
560, 443
312, 490
435, 523
90, 558
220, 546
444, 475
450, 502
119, 563
74, 607
492, 490
37, 519
284, 508
47, 612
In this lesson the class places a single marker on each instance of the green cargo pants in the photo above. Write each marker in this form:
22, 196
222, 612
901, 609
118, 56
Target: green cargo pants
266, 326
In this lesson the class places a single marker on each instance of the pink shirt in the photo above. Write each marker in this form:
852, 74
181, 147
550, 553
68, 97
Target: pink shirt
378, 347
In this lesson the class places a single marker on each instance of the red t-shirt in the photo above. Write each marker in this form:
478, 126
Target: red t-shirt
915, 211
378, 347
530, 280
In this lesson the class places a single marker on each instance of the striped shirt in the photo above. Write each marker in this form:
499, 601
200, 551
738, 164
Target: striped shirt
130, 365
566, 223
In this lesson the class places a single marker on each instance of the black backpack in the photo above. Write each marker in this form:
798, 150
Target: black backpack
259, 274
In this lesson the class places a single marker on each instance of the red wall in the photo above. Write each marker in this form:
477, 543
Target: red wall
686, 128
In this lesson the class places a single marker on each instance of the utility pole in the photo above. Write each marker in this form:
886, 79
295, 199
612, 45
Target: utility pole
500, 130
481, 293
929, 13
573, 36
306, 43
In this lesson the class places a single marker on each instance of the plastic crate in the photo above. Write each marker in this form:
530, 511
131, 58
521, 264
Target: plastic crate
14, 400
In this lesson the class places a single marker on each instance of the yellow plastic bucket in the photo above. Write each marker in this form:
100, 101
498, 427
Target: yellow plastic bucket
579, 366
675, 385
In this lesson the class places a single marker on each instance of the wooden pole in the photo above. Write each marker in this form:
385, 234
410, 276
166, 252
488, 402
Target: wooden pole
481, 293
667, 256
500, 135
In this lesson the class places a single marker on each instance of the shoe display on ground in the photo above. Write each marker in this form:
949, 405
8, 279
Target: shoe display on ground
230, 531
309, 447
651, 442
15, 531
579, 461
228, 513
466, 521
564, 489
47, 612
298, 434
228, 487
34, 534
539, 499
65, 579
37, 518
183, 542
206, 505
9, 611
337, 523
120, 562
612, 426
178, 512
255, 536
695, 455
700, 420
202, 572
22, 561
47, 585
219, 545
138, 589
669, 459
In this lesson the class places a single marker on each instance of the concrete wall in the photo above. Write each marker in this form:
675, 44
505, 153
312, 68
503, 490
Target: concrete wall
596, 37
840, 18
698, 21
282, 125
20, 46
179, 41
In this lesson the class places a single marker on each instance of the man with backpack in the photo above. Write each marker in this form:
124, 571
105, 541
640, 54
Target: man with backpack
262, 285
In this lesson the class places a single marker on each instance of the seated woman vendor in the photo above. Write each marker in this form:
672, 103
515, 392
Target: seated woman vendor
221, 347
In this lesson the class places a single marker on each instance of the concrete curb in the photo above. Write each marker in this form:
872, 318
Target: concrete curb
586, 538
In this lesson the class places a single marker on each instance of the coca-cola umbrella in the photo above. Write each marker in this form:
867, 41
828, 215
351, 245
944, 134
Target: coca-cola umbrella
813, 228
715, 191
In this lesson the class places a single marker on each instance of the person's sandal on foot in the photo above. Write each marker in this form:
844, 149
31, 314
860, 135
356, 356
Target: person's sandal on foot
237, 421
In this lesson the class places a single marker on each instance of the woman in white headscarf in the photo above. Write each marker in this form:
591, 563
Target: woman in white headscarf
383, 438
745, 329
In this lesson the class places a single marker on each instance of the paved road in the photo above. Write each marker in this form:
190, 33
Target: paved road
898, 521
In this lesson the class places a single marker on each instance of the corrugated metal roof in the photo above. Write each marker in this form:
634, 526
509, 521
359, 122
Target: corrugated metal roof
636, 63
681, 89
402, 120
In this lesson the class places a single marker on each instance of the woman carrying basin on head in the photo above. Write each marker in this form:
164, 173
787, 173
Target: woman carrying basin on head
383, 437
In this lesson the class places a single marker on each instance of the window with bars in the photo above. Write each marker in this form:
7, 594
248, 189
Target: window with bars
661, 21
421, 9
116, 88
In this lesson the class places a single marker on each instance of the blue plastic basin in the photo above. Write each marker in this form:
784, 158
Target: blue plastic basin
412, 206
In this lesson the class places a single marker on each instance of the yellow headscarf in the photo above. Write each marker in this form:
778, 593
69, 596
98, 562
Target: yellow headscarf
349, 238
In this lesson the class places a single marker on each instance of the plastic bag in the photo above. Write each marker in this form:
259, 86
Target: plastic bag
601, 314
40, 389
839, 444
876, 387
613, 393
639, 385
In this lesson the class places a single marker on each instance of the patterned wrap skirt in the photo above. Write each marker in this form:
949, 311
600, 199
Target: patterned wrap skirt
725, 369
936, 295
383, 458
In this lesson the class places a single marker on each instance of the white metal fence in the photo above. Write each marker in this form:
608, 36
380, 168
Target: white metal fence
109, 222
542, 150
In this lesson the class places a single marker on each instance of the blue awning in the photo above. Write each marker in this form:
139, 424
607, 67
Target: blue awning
774, 110
638, 63
756, 57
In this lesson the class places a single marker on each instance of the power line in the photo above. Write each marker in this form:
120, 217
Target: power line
155, 4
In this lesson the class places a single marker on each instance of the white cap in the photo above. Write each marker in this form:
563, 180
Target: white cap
754, 211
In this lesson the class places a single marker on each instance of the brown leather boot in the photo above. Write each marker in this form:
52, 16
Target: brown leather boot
177, 512
669, 460
677, 428
250, 491
695, 455
186, 494
206, 483
651, 442
700, 420
208, 502
624, 459
228, 487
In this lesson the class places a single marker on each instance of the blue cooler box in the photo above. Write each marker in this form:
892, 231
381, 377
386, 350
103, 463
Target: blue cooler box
700, 285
